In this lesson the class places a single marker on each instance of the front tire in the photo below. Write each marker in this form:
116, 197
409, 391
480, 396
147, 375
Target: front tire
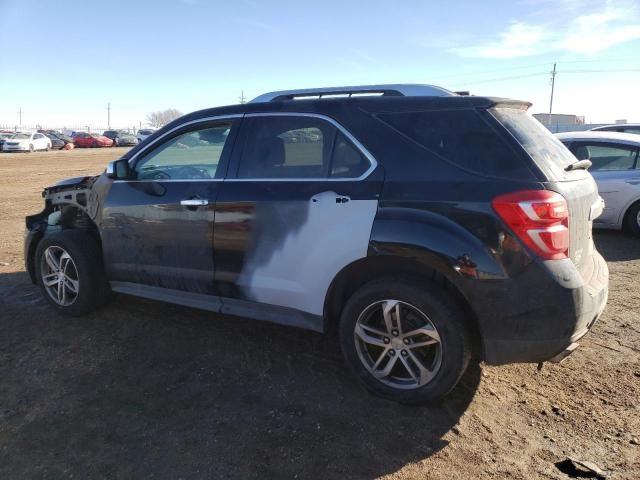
405, 340
31, 149
632, 219
70, 272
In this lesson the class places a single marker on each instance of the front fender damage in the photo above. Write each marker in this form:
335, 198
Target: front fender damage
70, 203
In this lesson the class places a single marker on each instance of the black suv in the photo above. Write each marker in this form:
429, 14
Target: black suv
424, 227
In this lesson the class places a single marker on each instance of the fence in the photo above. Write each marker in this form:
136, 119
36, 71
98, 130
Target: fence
67, 128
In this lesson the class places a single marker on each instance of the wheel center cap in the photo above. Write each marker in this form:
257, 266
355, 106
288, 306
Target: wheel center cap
397, 343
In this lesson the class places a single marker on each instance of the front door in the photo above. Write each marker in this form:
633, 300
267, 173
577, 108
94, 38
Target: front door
298, 206
157, 227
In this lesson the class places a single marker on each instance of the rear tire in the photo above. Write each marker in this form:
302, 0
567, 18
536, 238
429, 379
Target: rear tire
632, 219
426, 365
70, 272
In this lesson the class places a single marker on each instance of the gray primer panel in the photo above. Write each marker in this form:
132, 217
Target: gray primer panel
298, 273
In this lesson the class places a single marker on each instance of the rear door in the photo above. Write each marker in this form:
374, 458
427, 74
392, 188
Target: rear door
157, 227
615, 169
298, 206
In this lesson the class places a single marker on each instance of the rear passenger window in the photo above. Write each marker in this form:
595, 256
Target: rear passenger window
606, 157
461, 137
285, 147
348, 161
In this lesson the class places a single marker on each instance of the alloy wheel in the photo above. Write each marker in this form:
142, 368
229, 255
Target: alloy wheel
398, 344
59, 276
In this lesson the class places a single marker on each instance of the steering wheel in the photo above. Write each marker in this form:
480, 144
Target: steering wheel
189, 172
160, 175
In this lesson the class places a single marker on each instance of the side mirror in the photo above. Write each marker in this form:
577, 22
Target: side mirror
118, 169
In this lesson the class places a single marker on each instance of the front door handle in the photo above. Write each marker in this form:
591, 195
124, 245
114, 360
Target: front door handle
194, 202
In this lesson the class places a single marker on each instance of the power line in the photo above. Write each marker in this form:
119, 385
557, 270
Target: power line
489, 80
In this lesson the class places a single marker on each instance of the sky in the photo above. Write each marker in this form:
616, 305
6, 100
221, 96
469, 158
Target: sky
62, 62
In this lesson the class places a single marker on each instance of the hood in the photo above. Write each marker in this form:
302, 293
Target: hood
71, 184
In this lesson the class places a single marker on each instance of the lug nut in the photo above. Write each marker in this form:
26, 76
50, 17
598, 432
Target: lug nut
404, 353
406, 341
392, 353
394, 332
386, 340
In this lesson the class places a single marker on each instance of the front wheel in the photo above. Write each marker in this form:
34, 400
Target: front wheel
31, 149
70, 272
405, 340
632, 219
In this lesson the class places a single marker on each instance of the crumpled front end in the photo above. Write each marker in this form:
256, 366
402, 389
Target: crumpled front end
70, 203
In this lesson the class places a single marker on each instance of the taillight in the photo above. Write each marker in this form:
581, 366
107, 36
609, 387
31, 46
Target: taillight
540, 218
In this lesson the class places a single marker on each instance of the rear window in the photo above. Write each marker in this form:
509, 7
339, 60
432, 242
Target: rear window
549, 154
461, 137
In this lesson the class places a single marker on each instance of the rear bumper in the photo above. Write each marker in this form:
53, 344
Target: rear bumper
552, 314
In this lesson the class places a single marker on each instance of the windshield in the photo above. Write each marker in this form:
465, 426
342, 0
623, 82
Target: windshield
547, 151
21, 136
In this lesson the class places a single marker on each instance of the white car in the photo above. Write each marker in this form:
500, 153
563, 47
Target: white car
615, 168
144, 133
26, 142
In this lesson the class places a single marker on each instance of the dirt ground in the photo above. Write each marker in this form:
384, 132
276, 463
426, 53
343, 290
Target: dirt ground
149, 390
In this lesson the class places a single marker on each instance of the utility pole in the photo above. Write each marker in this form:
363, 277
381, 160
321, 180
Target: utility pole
20, 116
109, 116
241, 97
553, 84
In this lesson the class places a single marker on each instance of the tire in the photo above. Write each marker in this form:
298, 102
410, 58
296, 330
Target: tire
48, 147
632, 219
85, 268
420, 303
31, 150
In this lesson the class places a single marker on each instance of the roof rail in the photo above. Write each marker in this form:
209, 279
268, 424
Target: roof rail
398, 90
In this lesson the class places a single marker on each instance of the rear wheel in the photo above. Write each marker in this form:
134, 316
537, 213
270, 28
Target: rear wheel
632, 219
70, 272
405, 340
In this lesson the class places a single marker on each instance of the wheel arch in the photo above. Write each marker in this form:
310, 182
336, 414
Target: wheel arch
358, 273
71, 217
622, 222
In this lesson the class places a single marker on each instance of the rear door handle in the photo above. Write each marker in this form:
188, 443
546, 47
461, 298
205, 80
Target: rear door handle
194, 202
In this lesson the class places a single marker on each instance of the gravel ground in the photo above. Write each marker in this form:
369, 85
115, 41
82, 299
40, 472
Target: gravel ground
149, 390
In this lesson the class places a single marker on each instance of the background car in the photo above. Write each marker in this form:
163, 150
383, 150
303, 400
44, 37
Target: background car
91, 140
121, 138
4, 136
56, 142
616, 169
144, 133
27, 142
621, 128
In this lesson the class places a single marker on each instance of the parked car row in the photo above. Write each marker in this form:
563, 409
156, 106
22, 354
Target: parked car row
54, 139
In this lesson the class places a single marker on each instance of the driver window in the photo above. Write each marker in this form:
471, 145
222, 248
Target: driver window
189, 156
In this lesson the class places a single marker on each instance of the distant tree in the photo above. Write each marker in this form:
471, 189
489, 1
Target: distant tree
162, 117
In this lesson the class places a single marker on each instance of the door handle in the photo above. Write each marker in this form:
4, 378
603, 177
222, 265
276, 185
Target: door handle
194, 202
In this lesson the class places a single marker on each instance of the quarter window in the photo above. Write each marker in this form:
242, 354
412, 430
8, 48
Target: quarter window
606, 157
348, 161
187, 156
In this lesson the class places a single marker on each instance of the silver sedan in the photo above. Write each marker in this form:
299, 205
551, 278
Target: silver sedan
616, 169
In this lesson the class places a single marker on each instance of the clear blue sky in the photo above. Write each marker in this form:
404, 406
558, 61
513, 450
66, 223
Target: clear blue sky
63, 61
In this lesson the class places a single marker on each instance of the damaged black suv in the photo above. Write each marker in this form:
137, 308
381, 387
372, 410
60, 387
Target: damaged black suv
426, 228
